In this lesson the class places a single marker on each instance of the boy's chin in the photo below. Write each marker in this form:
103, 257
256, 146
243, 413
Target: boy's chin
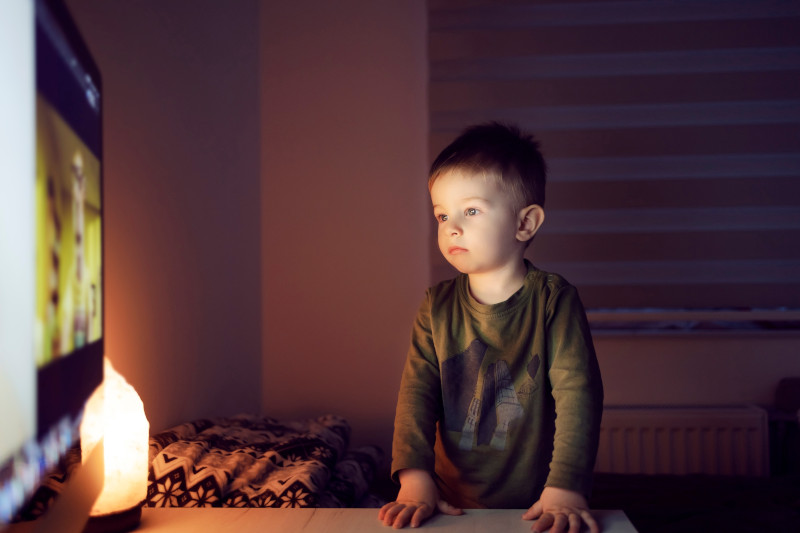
455, 264
460, 267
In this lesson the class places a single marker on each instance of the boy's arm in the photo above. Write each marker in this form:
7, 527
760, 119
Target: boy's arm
418, 410
578, 392
419, 400
416, 502
577, 389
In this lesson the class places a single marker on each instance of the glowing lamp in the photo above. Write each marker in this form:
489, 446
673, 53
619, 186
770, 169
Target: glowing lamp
115, 413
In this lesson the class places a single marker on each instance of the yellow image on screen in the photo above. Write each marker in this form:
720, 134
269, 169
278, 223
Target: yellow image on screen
68, 239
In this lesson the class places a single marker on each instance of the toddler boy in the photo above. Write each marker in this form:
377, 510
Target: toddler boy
501, 397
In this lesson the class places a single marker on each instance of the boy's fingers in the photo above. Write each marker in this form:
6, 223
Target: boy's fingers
590, 521
391, 511
399, 515
575, 523
403, 517
422, 513
543, 523
560, 522
384, 509
534, 512
446, 508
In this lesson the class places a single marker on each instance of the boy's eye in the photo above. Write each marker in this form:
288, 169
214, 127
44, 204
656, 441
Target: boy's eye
441, 218
471, 212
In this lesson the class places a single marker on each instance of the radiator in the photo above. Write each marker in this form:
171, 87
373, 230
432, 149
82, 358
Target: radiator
684, 440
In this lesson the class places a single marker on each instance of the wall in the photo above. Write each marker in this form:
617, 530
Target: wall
181, 201
696, 369
333, 224
344, 205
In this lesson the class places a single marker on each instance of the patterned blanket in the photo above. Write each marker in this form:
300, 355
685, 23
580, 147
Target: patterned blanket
246, 461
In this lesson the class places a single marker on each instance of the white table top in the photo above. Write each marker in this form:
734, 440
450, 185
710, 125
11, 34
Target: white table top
176, 520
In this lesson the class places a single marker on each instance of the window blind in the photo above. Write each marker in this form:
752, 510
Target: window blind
672, 134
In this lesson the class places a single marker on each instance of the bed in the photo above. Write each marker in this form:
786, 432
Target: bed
246, 461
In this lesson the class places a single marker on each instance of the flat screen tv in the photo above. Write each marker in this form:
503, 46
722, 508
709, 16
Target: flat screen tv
51, 240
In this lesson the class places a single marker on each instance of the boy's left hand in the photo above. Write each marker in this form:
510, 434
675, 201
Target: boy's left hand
561, 511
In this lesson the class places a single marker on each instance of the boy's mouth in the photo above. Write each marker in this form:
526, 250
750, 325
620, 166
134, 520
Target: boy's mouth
454, 250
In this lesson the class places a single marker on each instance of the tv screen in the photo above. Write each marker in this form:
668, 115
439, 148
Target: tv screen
52, 249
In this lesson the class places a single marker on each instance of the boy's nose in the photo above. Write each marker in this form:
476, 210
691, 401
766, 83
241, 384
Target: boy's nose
453, 228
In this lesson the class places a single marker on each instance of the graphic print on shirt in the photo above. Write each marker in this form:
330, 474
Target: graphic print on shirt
459, 377
479, 398
506, 405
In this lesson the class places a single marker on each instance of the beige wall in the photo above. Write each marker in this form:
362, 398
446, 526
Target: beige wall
344, 213
340, 198
181, 201
696, 369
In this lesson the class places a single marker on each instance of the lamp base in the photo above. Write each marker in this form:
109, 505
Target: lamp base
117, 522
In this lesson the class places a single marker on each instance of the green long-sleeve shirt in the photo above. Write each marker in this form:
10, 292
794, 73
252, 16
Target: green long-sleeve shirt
500, 400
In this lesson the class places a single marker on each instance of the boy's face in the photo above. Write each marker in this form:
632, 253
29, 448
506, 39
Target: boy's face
477, 222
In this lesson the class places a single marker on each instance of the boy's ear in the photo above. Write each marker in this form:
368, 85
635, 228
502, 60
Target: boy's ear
529, 221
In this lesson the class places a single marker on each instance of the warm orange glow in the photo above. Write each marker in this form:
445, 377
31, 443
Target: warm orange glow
115, 413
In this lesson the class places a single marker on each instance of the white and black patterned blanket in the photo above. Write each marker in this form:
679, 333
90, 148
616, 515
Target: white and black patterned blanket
246, 461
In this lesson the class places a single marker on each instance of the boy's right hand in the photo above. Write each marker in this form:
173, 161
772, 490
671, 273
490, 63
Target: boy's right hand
416, 502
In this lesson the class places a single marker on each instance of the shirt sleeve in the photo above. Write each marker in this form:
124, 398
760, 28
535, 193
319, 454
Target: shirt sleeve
419, 400
577, 390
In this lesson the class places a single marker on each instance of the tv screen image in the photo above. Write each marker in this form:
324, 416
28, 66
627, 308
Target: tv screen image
68, 326
68, 239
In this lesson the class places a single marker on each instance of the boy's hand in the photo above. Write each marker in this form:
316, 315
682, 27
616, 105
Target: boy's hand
416, 502
560, 511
